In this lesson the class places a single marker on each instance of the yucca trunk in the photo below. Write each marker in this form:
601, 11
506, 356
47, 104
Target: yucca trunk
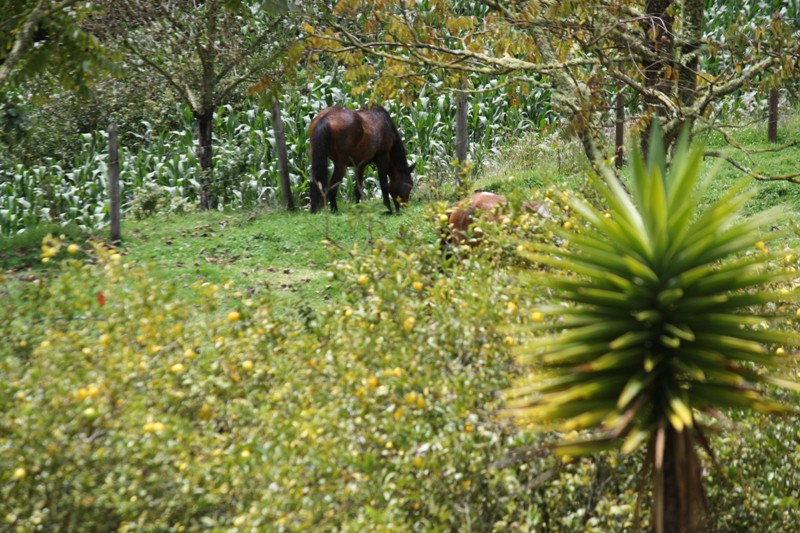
678, 496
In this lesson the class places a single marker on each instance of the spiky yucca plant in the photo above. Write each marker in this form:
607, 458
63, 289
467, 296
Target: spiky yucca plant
662, 317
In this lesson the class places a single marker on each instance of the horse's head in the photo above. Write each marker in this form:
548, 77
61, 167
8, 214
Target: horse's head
400, 185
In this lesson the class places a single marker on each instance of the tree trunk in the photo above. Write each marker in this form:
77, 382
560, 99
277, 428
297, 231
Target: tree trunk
283, 158
693, 16
772, 124
657, 28
462, 113
205, 122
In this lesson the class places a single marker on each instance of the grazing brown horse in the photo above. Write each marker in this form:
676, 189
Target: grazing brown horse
356, 139
491, 206
464, 212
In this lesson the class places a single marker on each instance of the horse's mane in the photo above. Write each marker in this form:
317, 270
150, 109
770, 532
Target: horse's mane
398, 150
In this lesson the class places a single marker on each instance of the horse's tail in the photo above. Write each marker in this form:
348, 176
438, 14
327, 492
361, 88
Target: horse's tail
320, 139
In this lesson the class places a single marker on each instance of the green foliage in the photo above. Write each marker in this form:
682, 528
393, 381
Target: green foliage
47, 38
214, 411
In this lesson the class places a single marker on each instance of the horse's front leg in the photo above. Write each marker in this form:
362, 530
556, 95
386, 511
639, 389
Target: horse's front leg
333, 187
383, 179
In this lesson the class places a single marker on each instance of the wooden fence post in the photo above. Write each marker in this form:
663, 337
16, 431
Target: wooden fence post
462, 113
619, 127
772, 122
113, 184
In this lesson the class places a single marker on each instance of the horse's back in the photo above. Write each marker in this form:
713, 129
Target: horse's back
345, 129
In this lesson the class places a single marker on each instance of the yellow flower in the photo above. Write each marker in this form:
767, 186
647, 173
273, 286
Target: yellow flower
410, 398
363, 280
509, 341
418, 285
153, 427
177, 368
20, 473
537, 316
247, 365
234, 316
206, 412
73, 249
409, 323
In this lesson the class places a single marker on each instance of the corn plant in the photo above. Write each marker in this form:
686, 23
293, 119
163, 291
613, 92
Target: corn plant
664, 315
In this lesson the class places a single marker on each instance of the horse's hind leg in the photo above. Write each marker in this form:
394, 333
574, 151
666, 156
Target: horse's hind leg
336, 180
358, 191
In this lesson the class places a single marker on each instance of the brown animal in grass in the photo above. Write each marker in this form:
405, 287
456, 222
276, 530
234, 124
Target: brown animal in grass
487, 205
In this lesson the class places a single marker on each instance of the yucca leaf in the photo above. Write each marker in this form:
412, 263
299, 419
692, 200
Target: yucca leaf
610, 329
618, 359
682, 332
678, 400
634, 387
585, 420
723, 395
620, 230
543, 412
640, 269
630, 339
574, 354
602, 387
585, 447
578, 265
634, 440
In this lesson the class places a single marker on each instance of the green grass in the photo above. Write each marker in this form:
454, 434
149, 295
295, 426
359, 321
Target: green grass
286, 253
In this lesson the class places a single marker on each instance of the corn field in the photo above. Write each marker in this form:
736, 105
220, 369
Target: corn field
161, 173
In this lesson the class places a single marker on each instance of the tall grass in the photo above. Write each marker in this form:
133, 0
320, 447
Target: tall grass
245, 160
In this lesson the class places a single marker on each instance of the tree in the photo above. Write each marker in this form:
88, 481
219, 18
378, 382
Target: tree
45, 36
655, 50
666, 317
208, 52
